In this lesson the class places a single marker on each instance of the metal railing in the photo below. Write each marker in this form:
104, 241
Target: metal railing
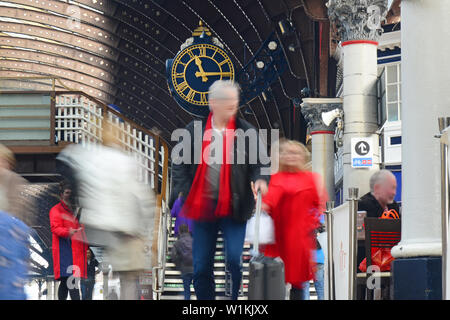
163, 232
32, 83
444, 130
330, 264
353, 198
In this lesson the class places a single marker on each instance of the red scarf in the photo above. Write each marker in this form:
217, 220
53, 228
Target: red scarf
197, 205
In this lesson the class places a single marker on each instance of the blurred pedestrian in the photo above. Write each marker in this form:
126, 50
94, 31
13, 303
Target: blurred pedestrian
317, 254
68, 246
14, 257
318, 268
87, 285
295, 202
116, 208
176, 213
219, 196
11, 187
113, 295
182, 256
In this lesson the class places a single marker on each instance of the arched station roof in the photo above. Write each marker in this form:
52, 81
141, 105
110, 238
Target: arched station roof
115, 50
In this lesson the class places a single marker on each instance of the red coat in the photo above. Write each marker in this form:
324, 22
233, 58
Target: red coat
294, 205
67, 251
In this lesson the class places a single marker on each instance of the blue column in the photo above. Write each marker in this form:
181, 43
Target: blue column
418, 278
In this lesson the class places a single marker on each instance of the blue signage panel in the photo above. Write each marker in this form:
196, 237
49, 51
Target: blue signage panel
362, 162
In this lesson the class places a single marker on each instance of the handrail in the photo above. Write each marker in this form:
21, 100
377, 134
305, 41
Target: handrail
74, 91
96, 109
161, 243
157, 245
107, 108
54, 79
330, 264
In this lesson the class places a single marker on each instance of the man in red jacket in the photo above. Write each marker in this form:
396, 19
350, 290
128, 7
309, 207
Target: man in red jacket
69, 246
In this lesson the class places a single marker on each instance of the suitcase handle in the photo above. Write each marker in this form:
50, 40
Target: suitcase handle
258, 215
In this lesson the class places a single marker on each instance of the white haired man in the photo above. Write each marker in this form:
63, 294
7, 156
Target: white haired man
383, 187
219, 193
380, 198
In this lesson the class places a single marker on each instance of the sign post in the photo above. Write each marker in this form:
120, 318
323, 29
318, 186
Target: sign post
362, 152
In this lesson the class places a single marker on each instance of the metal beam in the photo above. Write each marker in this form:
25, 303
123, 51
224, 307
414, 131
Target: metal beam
81, 72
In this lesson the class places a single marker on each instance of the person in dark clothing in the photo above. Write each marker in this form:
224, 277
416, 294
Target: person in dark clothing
383, 187
87, 285
217, 184
113, 295
182, 257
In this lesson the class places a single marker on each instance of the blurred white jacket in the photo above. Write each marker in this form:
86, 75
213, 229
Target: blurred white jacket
113, 200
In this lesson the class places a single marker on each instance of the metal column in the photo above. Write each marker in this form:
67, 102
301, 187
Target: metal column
443, 124
353, 206
330, 264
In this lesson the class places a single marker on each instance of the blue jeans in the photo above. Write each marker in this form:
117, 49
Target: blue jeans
318, 284
87, 288
187, 280
203, 249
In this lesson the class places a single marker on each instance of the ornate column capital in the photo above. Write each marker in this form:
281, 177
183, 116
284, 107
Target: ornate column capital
358, 19
312, 109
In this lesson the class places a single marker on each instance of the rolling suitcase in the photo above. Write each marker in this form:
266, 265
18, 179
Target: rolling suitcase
266, 275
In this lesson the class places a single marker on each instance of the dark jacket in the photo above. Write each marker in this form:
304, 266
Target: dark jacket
91, 264
182, 254
372, 206
241, 174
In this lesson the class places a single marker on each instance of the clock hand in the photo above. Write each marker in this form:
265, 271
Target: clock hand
198, 62
226, 74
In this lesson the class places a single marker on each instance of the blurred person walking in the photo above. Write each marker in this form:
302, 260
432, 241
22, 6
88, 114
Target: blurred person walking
317, 254
318, 268
68, 246
182, 256
219, 195
295, 201
11, 187
117, 210
14, 257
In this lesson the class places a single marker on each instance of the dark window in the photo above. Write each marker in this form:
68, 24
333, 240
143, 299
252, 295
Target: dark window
396, 140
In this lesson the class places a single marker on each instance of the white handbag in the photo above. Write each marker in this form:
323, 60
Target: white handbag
265, 232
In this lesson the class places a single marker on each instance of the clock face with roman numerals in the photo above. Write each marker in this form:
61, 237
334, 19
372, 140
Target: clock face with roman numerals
196, 68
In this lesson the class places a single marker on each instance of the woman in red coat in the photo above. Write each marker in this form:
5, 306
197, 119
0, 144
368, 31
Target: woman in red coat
295, 205
69, 247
